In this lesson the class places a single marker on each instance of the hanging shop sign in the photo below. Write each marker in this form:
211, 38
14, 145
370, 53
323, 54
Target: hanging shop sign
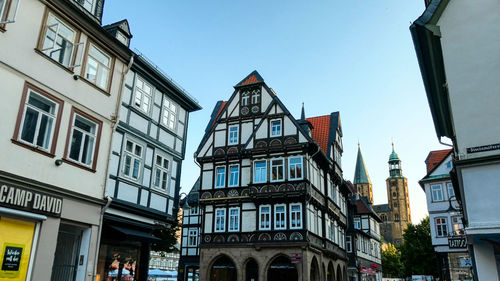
30, 200
457, 242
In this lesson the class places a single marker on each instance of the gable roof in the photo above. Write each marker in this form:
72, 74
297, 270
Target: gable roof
360, 172
321, 130
251, 78
122, 25
435, 158
216, 112
193, 195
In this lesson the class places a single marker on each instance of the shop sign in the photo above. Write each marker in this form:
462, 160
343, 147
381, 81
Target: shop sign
296, 258
483, 148
29, 200
367, 270
11, 261
457, 242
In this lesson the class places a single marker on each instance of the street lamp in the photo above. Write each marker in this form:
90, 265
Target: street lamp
185, 206
451, 208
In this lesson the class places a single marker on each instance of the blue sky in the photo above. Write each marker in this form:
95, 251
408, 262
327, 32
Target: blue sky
353, 56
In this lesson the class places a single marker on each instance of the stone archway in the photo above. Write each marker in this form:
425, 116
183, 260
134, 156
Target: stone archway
314, 274
223, 269
339, 273
282, 269
330, 273
251, 270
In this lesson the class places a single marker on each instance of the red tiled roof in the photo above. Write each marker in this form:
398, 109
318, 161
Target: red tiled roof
219, 112
435, 158
250, 80
320, 131
361, 207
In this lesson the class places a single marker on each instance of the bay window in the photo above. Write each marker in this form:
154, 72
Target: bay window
265, 217
295, 168
277, 170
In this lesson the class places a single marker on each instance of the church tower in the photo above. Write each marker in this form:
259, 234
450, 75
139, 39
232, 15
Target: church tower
362, 181
397, 198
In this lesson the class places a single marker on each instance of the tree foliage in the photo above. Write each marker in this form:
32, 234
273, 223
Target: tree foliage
391, 261
168, 236
417, 254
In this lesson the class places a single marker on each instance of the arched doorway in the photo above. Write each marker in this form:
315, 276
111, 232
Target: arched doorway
339, 273
314, 270
223, 269
251, 270
330, 273
282, 269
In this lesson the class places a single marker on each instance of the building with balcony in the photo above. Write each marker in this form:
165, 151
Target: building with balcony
447, 231
459, 66
271, 191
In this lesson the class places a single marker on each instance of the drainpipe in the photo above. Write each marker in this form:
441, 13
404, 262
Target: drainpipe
115, 117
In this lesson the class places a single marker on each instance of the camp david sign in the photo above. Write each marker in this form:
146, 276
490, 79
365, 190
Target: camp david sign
30, 200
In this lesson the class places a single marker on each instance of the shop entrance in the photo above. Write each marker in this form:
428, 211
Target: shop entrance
252, 271
282, 269
223, 269
66, 256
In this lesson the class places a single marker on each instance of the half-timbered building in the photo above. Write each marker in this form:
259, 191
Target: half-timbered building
271, 191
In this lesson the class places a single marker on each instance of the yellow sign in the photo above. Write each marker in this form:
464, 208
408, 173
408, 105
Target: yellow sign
15, 244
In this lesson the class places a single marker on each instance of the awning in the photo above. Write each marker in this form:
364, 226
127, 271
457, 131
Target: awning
136, 234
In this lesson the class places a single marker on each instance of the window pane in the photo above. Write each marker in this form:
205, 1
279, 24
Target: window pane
76, 142
129, 146
84, 125
41, 103
138, 150
99, 56
29, 125
157, 177
91, 72
135, 172
126, 169
102, 80
44, 132
164, 181
88, 148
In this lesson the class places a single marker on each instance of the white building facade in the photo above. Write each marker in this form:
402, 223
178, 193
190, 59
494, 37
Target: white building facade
445, 217
459, 67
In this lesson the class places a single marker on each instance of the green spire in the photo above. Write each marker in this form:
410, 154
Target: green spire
394, 156
361, 174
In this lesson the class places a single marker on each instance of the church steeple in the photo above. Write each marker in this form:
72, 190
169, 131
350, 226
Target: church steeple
394, 164
362, 180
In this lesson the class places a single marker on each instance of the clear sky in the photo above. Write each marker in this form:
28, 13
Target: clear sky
355, 57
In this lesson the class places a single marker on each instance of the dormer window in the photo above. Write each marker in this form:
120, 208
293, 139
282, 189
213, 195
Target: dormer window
122, 38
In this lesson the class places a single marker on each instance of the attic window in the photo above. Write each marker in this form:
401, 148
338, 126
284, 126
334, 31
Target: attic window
255, 96
122, 38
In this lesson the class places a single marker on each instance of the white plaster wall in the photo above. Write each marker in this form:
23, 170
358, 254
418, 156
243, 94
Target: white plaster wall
220, 138
443, 169
482, 211
266, 99
484, 260
205, 149
289, 127
206, 180
232, 105
248, 221
208, 223
262, 131
472, 63
246, 131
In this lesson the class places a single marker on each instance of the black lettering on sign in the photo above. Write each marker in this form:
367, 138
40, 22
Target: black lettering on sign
12, 258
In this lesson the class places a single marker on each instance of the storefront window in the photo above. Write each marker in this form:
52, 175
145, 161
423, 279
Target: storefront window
193, 274
118, 263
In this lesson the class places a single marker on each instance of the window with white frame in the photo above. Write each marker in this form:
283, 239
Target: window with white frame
233, 134
245, 98
260, 171
89, 5
58, 40
132, 159
220, 220
265, 217
234, 219
98, 67
38, 121
295, 168
348, 244
295, 216
143, 95
277, 170
193, 210
220, 177
437, 193
451, 192
441, 227
280, 216
161, 172
234, 175
169, 117
83, 140
276, 128
256, 96
193, 237
357, 223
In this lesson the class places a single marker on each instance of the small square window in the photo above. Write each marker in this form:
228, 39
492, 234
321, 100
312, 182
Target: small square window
275, 128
